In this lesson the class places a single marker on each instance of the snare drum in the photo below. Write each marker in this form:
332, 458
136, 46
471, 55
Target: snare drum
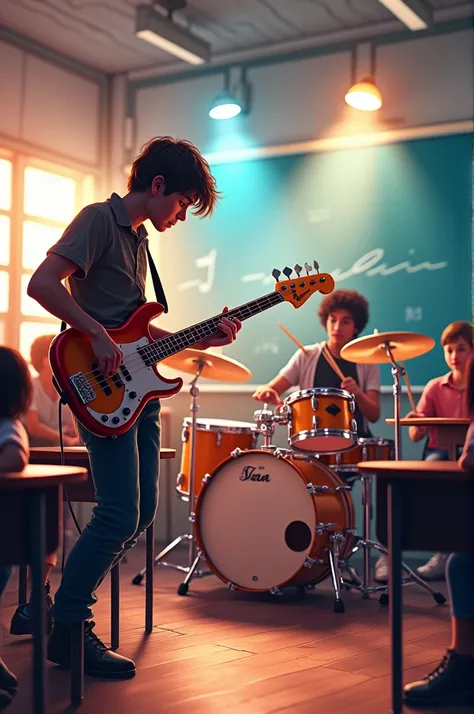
321, 420
257, 517
215, 440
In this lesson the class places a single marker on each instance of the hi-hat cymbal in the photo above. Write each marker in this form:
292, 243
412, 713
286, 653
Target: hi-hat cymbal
214, 366
403, 345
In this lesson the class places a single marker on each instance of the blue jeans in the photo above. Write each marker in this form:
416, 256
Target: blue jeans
460, 578
125, 474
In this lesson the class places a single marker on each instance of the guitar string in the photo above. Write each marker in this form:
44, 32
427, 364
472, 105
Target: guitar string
152, 347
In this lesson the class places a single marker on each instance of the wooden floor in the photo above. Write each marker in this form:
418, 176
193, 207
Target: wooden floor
221, 652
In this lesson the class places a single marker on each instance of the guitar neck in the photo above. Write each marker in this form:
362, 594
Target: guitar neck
178, 341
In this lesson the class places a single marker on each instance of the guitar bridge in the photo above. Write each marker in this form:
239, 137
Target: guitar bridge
82, 387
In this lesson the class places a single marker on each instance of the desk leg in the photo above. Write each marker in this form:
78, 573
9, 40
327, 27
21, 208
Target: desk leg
37, 507
115, 606
150, 567
394, 509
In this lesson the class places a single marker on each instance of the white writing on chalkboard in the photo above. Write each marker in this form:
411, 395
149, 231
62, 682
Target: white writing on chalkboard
413, 314
206, 261
369, 264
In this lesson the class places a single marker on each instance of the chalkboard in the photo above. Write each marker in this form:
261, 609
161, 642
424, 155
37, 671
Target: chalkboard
391, 221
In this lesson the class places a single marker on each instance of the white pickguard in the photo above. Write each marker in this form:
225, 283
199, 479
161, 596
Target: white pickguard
144, 380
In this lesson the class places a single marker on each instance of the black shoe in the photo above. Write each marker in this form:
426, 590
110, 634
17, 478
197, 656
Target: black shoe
99, 660
452, 682
8, 681
21, 623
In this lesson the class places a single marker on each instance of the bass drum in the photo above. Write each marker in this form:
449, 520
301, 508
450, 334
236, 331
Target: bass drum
256, 520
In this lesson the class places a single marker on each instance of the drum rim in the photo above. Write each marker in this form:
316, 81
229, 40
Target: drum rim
302, 435
321, 391
227, 429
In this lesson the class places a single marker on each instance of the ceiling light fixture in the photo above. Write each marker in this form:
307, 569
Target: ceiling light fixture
415, 14
162, 32
228, 104
364, 95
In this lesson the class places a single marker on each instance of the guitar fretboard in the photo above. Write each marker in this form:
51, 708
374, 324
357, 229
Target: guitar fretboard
171, 344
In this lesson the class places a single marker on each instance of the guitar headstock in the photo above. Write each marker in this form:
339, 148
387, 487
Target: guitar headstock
299, 289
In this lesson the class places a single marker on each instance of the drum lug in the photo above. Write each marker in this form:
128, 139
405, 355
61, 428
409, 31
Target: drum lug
352, 406
219, 438
281, 453
343, 488
322, 527
317, 489
315, 421
185, 435
230, 586
236, 453
310, 562
274, 590
179, 479
337, 537
192, 518
206, 479
354, 425
314, 403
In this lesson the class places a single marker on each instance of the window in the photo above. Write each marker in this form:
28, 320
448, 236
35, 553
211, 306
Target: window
32, 218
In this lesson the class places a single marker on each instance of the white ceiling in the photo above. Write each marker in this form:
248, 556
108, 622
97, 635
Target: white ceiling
100, 33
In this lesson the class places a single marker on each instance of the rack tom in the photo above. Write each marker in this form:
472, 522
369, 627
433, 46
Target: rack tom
321, 420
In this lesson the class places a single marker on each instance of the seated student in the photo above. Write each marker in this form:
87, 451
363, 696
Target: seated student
452, 682
444, 397
15, 396
42, 419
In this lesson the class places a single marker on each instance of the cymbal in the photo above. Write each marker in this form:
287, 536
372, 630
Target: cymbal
370, 349
215, 366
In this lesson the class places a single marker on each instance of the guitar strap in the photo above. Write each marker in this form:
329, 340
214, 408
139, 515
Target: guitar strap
159, 294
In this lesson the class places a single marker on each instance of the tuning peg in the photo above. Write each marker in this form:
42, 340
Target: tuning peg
287, 271
308, 268
276, 274
298, 269
316, 265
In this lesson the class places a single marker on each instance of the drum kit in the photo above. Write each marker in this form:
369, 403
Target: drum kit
267, 518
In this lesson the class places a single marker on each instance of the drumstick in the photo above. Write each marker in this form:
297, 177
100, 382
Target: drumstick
297, 342
332, 362
410, 393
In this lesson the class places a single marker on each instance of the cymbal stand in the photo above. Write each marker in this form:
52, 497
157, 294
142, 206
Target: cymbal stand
194, 555
366, 543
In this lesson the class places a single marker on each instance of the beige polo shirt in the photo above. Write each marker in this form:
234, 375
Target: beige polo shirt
109, 283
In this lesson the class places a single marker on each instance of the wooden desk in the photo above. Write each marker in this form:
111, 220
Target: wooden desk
451, 431
445, 524
30, 516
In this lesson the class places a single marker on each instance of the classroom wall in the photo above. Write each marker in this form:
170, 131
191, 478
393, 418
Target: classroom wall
423, 81
50, 110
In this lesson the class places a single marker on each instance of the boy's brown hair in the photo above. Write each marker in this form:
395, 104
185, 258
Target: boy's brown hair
39, 350
349, 300
455, 330
183, 169
15, 385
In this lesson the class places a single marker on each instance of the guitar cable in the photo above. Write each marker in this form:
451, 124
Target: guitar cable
62, 459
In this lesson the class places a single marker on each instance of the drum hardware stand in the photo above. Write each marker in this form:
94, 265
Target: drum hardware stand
366, 543
194, 555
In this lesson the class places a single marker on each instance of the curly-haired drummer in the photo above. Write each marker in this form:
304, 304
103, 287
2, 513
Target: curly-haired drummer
343, 314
